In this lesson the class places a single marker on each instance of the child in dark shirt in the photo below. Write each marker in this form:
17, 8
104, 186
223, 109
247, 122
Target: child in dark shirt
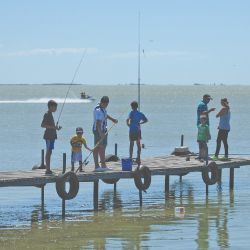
50, 132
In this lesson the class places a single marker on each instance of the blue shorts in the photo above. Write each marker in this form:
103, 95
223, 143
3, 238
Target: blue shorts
50, 144
76, 156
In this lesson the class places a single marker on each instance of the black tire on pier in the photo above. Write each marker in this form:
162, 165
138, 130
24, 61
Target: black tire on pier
73, 185
211, 167
145, 173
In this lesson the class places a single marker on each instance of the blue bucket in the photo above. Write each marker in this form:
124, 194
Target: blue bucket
126, 164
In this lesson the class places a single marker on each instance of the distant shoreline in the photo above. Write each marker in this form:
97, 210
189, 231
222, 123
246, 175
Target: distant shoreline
124, 84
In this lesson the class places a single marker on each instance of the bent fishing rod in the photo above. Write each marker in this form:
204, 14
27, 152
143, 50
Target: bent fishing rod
73, 79
85, 162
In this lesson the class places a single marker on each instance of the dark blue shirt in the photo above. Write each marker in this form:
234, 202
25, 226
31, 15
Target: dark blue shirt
136, 117
202, 107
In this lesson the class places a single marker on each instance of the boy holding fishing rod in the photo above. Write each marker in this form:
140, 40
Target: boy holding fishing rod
100, 133
76, 142
50, 134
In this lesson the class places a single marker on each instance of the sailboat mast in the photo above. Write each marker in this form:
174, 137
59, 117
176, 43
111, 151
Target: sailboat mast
139, 60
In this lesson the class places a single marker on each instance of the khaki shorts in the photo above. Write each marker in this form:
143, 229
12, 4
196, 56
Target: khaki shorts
97, 138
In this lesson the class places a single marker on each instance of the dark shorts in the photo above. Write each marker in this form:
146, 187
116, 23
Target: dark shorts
97, 138
135, 135
50, 144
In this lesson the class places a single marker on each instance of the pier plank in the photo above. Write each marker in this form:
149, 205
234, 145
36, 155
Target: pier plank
162, 165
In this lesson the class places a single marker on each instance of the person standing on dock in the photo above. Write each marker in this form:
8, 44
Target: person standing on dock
76, 142
203, 109
224, 128
203, 137
100, 133
134, 121
50, 132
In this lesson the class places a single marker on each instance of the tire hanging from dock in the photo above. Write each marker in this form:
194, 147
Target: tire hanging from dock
73, 185
112, 158
145, 173
211, 167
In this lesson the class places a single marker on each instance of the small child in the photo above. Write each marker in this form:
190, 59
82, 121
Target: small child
76, 142
134, 121
203, 137
50, 132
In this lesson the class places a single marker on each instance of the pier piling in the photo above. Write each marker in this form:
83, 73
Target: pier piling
140, 197
95, 194
166, 185
231, 179
63, 200
42, 159
219, 179
116, 147
42, 196
182, 140
206, 189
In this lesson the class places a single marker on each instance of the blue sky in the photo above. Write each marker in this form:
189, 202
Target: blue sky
184, 42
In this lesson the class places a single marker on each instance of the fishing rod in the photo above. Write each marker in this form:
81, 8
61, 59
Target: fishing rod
73, 79
85, 162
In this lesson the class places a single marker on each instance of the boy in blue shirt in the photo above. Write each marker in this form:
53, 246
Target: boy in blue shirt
134, 121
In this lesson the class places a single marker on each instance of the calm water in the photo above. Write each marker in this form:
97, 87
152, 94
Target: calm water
219, 221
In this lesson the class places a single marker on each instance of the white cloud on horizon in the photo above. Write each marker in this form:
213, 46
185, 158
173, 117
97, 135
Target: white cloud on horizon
50, 51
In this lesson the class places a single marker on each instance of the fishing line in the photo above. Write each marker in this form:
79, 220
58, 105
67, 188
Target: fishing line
76, 71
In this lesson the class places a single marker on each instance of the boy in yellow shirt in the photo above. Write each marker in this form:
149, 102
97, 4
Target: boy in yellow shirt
76, 142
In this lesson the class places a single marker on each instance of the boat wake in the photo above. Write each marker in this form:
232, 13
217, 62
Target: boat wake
45, 100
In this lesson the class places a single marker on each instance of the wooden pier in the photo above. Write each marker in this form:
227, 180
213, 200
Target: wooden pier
163, 165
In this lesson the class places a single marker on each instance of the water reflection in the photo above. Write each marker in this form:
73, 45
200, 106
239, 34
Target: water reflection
117, 225
213, 215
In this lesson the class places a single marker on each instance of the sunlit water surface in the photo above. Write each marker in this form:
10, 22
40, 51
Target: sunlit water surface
217, 221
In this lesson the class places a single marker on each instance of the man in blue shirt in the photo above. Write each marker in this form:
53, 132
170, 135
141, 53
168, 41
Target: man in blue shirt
203, 109
134, 121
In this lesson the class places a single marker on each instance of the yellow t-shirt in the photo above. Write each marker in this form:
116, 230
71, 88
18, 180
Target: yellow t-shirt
77, 142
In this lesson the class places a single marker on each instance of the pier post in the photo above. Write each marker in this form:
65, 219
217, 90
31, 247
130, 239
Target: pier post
180, 178
42, 197
206, 189
182, 140
182, 143
140, 197
95, 194
64, 170
64, 163
166, 185
231, 179
219, 179
116, 146
42, 159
